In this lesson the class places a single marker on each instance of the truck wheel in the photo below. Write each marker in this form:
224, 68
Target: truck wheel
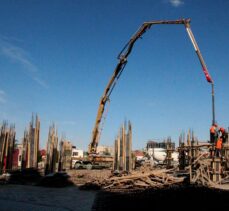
89, 166
77, 165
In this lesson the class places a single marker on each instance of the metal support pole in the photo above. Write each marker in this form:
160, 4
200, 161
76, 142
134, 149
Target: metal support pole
213, 105
204, 67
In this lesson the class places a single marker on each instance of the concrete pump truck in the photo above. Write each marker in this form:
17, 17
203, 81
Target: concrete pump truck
95, 160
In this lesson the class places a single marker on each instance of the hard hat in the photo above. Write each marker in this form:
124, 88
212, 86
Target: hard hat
222, 129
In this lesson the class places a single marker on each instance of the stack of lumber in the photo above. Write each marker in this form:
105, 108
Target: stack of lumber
141, 180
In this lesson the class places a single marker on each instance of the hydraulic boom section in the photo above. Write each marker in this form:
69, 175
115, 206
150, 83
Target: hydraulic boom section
123, 55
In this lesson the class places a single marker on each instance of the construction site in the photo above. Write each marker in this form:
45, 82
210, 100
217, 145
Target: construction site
187, 173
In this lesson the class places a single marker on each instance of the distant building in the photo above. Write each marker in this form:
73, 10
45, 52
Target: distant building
156, 144
105, 150
43, 153
138, 154
76, 153
17, 156
42, 159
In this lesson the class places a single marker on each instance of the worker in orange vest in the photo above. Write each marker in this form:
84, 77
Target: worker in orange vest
213, 133
223, 134
218, 147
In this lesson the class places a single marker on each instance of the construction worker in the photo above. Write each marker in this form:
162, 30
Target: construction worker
218, 147
223, 134
213, 133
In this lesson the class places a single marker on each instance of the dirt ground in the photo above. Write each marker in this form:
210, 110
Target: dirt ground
175, 197
178, 197
171, 198
26, 197
81, 176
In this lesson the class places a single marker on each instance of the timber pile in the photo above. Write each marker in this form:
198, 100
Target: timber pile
202, 173
139, 180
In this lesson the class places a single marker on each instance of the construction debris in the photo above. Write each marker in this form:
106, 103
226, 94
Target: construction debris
137, 181
153, 179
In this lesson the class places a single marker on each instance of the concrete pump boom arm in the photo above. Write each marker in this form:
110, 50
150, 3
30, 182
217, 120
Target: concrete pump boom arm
123, 55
